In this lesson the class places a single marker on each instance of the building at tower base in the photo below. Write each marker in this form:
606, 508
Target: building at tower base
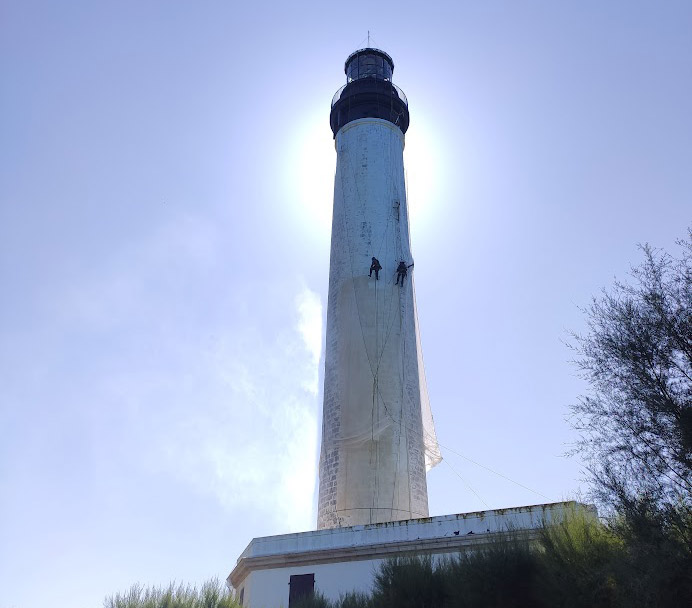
274, 571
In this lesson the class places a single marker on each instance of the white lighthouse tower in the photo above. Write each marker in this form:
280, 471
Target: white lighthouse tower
377, 433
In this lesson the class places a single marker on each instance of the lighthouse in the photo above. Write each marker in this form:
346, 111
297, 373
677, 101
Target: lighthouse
378, 437
377, 432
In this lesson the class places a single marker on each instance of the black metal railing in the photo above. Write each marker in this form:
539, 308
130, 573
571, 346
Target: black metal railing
399, 92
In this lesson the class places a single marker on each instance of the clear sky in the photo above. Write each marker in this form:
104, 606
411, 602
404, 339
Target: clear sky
165, 188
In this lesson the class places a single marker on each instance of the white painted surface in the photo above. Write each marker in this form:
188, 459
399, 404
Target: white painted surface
270, 588
372, 463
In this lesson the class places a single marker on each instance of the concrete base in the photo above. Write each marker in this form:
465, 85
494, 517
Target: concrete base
346, 559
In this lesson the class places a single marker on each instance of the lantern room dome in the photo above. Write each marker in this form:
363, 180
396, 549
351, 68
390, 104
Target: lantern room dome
369, 92
368, 63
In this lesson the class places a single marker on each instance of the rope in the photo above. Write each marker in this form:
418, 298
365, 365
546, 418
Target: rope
478, 464
402, 313
470, 459
468, 485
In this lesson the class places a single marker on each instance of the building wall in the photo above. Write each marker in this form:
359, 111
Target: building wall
269, 588
372, 463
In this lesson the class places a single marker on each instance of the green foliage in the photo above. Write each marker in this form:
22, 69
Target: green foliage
579, 563
408, 582
628, 563
656, 562
355, 600
502, 574
211, 594
313, 600
349, 600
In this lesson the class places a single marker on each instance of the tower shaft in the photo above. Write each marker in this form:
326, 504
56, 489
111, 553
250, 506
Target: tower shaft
372, 465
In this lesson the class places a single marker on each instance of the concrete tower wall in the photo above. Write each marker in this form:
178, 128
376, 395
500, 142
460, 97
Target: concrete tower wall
372, 463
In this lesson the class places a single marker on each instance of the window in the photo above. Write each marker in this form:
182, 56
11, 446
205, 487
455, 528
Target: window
368, 65
300, 585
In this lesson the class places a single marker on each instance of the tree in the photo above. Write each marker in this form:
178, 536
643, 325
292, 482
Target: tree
635, 424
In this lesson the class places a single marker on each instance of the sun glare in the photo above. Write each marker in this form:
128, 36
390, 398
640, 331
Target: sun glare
313, 161
424, 168
312, 173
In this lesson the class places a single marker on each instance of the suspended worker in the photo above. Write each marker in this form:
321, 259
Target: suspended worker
376, 267
401, 271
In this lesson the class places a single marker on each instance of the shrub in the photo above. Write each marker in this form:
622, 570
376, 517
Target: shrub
408, 582
211, 594
579, 563
500, 575
313, 600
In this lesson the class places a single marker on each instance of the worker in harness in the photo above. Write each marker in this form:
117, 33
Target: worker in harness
402, 271
376, 267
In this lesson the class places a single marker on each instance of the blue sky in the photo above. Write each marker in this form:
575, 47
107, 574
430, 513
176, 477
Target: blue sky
165, 187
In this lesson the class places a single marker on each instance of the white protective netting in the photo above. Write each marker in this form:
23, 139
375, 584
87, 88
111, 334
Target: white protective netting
432, 447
